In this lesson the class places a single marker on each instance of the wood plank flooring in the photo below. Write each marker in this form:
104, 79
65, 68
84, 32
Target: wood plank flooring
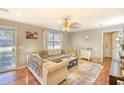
24, 76
103, 78
19, 77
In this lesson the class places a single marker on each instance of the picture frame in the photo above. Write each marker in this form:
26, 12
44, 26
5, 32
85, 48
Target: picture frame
31, 35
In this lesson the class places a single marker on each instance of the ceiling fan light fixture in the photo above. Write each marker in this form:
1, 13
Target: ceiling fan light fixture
65, 29
67, 24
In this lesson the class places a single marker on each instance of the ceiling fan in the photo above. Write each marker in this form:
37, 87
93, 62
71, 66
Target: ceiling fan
67, 24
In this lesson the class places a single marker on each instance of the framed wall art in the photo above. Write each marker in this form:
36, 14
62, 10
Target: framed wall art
31, 35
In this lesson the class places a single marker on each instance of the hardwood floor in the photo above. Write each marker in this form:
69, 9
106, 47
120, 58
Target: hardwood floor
103, 78
24, 76
19, 77
6, 66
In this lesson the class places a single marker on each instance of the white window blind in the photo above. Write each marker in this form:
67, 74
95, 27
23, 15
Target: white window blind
54, 40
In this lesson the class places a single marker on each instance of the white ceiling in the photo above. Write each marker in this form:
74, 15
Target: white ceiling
89, 18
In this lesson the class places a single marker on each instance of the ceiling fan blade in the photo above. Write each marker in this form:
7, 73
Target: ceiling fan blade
75, 23
73, 27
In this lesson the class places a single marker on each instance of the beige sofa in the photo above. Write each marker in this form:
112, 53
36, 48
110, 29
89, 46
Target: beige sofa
54, 73
35, 65
45, 71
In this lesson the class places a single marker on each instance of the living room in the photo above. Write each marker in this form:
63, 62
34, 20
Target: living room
67, 49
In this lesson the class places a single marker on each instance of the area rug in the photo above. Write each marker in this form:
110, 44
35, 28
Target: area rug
83, 74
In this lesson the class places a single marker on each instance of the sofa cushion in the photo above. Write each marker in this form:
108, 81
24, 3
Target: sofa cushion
44, 54
55, 66
58, 58
64, 56
65, 51
54, 52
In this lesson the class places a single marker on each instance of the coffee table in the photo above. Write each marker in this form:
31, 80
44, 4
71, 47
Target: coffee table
73, 61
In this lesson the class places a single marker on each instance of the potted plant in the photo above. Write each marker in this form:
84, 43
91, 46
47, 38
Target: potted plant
122, 46
122, 49
120, 42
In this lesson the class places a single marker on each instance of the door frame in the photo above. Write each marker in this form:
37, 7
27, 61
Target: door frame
15, 40
102, 49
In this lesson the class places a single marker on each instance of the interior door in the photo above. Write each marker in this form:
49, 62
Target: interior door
107, 46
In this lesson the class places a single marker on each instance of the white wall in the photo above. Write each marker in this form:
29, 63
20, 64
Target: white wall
78, 40
66, 40
95, 40
72, 40
24, 45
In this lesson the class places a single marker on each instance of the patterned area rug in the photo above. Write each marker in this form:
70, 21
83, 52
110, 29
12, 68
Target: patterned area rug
83, 74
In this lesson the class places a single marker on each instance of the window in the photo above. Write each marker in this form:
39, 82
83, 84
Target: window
54, 41
6, 39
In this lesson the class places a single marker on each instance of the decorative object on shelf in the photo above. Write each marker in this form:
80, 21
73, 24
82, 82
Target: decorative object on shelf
122, 50
85, 53
31, 35
87, 37
121, 43
122, 62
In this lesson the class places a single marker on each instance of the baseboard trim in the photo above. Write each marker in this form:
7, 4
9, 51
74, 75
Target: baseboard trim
21, 67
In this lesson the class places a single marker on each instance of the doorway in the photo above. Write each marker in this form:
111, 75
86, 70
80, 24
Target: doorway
110, 49
107, 45
7, 49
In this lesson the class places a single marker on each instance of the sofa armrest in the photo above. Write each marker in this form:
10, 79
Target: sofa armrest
56, 66
55, 70
35, 63
52, 66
